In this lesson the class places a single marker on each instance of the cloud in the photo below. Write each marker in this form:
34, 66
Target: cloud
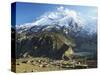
93, 17
61, 16
61, 8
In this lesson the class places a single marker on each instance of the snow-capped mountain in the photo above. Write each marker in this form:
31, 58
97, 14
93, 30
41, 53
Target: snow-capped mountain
57, 19
60, 18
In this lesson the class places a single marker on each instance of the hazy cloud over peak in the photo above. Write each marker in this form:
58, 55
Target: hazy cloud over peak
61, 16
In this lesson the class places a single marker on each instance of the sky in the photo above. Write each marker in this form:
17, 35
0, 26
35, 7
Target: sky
32, 12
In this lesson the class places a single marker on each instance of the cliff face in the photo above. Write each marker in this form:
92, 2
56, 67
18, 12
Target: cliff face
49, 44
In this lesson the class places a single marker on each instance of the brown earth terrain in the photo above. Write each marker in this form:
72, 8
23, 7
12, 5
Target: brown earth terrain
39, 64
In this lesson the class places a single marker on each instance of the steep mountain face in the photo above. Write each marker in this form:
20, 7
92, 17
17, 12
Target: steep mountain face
51, 41
48, 40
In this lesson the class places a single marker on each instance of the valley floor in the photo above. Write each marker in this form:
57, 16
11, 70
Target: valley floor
38, 64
